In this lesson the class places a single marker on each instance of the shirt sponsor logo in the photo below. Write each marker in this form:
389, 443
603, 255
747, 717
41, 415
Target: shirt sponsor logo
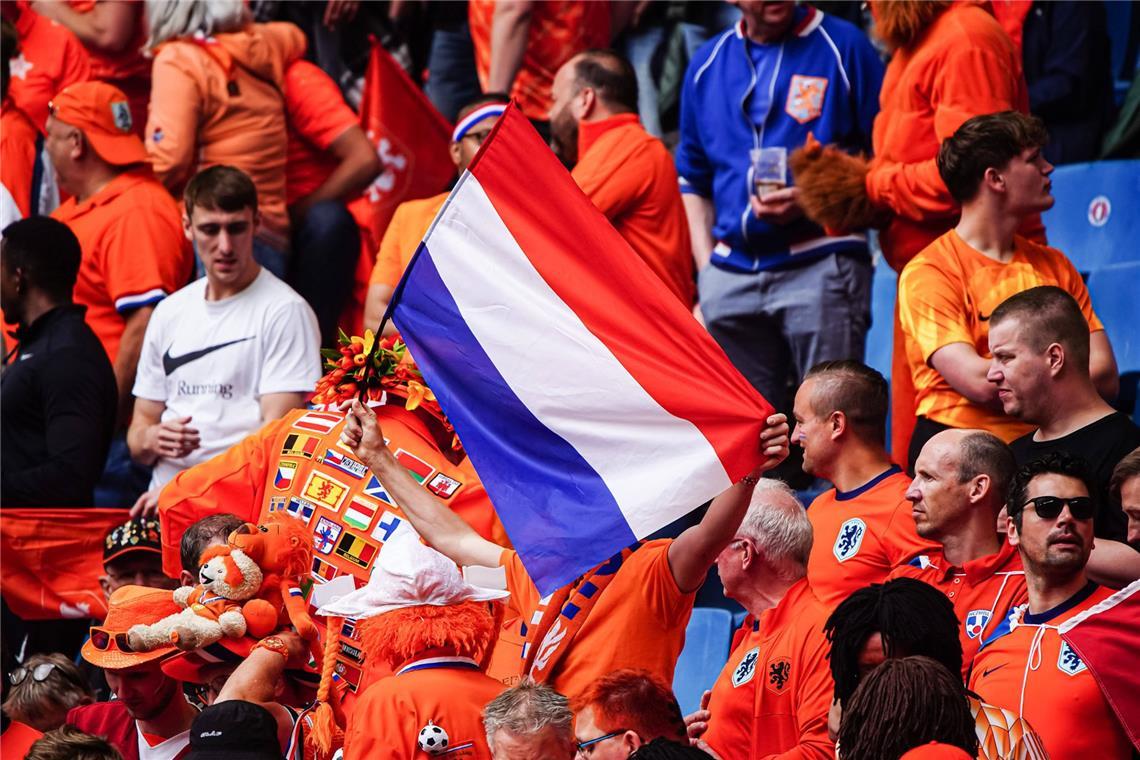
443, 486
345, 464
976, 621
1068, 661
746, 669
805, 97
849, 539
324, 490
286, 471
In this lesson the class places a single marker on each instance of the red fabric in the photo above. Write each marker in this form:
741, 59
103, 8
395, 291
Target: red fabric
410, 136
17, 740
1106, 642
18, 156
111, 721
50, 567
50, 59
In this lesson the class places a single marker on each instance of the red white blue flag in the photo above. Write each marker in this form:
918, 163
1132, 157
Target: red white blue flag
595, 409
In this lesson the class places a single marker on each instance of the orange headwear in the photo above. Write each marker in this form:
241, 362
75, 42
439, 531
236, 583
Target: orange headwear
104, 114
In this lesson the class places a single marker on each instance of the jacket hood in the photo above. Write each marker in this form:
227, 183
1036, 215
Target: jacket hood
266, 50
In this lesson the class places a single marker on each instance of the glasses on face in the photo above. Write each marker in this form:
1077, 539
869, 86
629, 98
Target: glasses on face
476, 137
586, 748
102, 639
1048, 507
39, 673
209, 691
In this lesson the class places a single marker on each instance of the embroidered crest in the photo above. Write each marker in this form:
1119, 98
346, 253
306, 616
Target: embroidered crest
779, 673
325, 535
324, 490
805, 97
443, 486
1068, 661
121, 112
746, 669
286, 471
849, 540
976, 622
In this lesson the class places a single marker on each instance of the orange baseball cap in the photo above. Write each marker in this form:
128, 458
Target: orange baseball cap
104, 115
128, 606
936, 751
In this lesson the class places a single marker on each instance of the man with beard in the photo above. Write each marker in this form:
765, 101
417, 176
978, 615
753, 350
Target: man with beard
150, 718
1027, 663
625, 171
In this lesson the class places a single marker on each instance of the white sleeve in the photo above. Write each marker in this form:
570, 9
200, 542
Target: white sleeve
150, 380
9, 211
292, 350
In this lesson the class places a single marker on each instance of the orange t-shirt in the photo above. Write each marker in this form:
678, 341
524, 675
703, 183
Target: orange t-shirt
630, 177
1032, 671
220, 100
1003, 734
983, 591
771, 699
964, 65
18, 156
638, 622
134, 251
559, 30
409, 224
947, 294
447, 692
860, 536
50, 59
317, 116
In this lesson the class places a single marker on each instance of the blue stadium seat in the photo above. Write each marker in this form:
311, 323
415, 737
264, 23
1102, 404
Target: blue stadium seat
1113, 290
880, 338
707, 638
738, 619
1123, 37
1096, 219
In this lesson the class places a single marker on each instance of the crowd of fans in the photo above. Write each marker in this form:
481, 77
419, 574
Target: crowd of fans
175, 188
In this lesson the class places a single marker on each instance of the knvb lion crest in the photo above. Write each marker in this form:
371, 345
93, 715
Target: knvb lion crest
746, 669
849, 540
805, 97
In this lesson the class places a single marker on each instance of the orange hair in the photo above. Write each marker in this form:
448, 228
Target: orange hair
397, 636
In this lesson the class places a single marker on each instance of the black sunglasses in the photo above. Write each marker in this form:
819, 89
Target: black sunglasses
1048, 507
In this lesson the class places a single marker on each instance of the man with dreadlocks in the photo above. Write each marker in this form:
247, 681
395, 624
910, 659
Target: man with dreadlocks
435, 631
903, 618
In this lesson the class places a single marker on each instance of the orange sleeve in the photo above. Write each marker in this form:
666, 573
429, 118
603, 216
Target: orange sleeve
658, 588
812, 704
172, 121
315, 105
930, 308
388, 270
233, 481
524, 594
145, 258
970, 80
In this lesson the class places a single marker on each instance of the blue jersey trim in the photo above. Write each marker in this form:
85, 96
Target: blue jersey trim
848, 495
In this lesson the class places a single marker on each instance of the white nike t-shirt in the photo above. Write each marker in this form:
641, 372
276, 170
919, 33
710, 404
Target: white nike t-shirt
213, 360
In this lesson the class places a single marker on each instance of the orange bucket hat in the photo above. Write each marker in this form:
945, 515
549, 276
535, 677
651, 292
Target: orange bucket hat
128, 606
104, 114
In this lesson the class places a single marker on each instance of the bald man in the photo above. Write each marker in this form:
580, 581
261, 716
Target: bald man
960, 481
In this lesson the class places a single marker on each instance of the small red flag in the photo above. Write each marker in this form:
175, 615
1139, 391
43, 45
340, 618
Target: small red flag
1104, 637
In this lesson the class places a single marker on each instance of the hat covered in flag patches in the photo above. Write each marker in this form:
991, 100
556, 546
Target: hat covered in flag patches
106, 647
137, 535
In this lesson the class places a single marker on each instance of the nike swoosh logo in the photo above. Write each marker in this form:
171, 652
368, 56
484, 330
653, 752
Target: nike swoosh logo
172, 363
991, 670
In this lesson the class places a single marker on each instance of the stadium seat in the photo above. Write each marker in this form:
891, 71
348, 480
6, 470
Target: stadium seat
1096, 219
884, 284
1124, 38
707, 638
1113, 292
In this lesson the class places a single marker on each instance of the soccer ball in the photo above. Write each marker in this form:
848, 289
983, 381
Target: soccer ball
432, 739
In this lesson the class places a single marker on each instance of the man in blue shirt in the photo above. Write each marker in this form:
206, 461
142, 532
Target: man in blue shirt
777, 292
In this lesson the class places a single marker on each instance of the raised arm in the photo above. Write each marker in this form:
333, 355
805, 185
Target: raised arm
443, 529
694, 551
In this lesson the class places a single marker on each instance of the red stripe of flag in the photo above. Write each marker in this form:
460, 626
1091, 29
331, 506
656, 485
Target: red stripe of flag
617, 296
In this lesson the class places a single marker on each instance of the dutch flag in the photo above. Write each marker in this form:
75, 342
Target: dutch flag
595, 409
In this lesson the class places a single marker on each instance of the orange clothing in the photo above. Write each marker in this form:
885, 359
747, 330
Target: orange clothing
317, 116
983, 592
946, 295
638, 622
447, 692
127, 69
860, 535
1002, 734
50, 59
1029, 669
219, 101
134, 251
630, 177
18, 156
559, 30
772, 698
964, 65
405, 232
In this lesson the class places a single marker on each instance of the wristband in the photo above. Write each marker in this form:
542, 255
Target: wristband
750, 480
273, 644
